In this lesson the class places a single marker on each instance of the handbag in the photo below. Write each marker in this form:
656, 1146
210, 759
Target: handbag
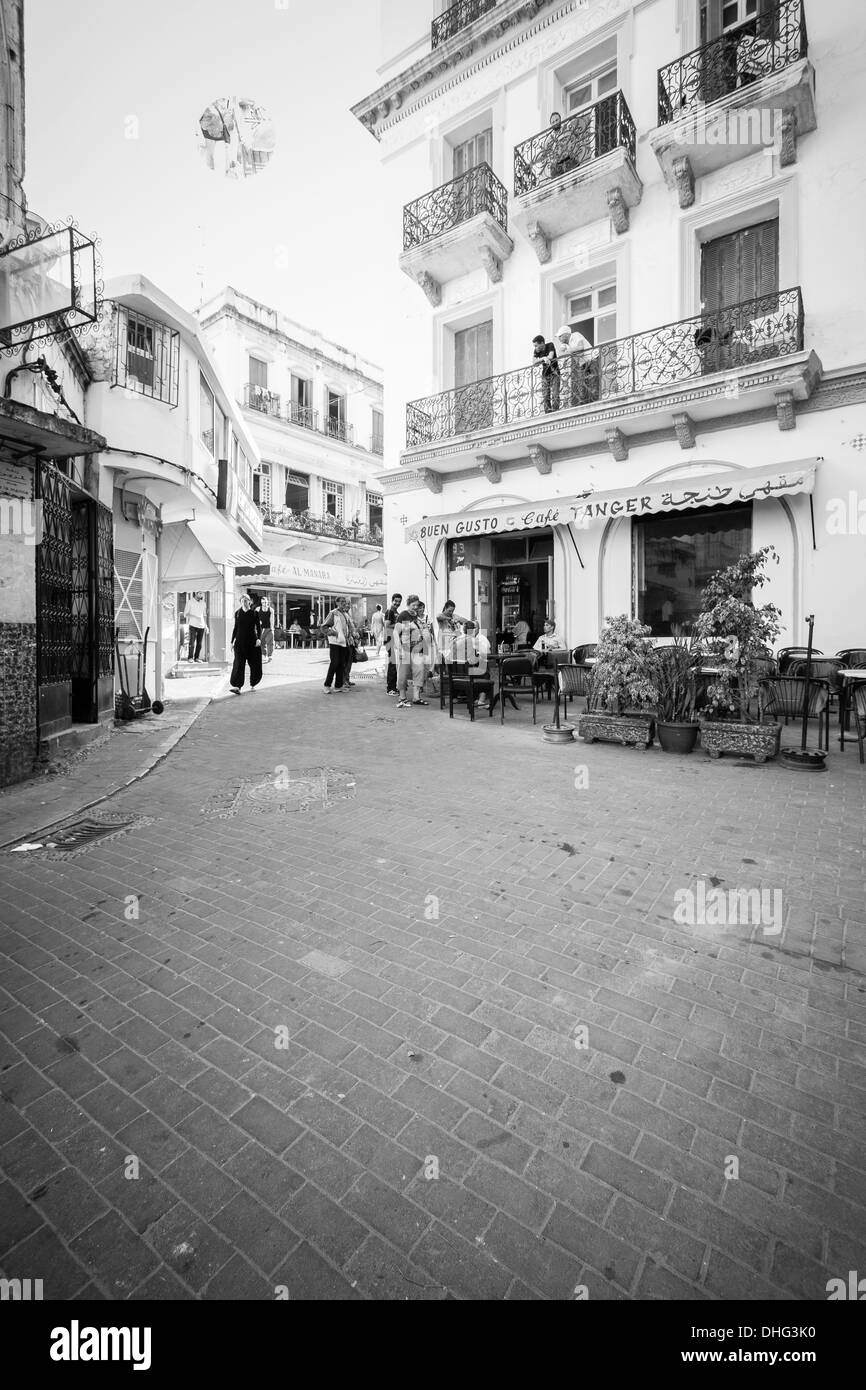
359, 654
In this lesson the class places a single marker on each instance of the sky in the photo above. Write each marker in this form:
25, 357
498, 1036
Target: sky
114, 91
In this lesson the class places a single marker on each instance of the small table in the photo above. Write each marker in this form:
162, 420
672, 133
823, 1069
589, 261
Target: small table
848, 677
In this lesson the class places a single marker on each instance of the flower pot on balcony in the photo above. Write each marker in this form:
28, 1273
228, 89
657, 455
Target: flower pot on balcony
634, 728
677, 737
720, 736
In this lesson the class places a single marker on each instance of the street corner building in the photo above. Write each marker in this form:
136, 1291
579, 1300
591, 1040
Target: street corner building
676, 187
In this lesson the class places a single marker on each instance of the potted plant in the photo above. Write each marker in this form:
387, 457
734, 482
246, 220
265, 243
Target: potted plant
622, 686
736, 635
676, 668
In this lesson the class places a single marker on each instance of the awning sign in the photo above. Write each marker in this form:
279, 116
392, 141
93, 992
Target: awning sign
582, 509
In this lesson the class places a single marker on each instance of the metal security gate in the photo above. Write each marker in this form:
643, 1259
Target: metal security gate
75, 601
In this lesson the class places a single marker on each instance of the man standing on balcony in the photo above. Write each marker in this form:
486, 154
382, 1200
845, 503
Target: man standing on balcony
559, 148
546, 354
195, 616
579, 377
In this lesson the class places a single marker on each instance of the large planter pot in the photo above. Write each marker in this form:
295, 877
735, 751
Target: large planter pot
678, 737
727, 736
636, 729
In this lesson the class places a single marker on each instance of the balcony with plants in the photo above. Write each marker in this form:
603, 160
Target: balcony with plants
748, 355
326, 527
576, 172
459, 227
750, 89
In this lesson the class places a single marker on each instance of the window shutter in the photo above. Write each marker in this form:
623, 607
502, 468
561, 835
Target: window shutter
743, 265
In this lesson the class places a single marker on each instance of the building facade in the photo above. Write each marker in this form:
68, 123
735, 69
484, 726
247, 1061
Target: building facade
679, 185
177, 472
315, 411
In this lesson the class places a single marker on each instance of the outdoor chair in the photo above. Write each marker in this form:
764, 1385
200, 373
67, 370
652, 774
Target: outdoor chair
572, 683
543, 677
785, 695
858, 704
581, 653
852, 657
467, 681
789, 654
513, 671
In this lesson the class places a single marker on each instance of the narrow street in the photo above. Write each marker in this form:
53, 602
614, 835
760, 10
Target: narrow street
353, 1007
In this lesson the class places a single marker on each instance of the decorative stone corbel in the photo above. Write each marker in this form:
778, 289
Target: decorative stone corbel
431, 288
617, 442
541, 458
618, 210
785, 413
490, 468
787, 137
492, 264
540, 243
684, 181
431, 479
685, 428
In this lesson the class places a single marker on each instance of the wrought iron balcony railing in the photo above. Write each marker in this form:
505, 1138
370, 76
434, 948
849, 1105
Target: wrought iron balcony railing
338, 429
476, 191
599, 130
146, 356
260, 398
457, 18
756, 330
766, 44
303, 415
327, 526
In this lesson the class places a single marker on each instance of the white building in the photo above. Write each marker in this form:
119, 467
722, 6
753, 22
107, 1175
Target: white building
177, 472
315, 411
696, 218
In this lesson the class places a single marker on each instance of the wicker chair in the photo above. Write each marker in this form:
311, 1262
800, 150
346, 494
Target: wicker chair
858, 705
789, 654
580, 654
513, 671
785, 696
572, 683
462, 680
852, 657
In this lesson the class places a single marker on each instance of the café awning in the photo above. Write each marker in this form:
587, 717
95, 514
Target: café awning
728, 488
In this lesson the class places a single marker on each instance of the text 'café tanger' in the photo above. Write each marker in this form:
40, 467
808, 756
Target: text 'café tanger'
585, 507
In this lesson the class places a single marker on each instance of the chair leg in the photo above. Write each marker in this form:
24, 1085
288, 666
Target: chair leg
490, 698
502, 704
471, 701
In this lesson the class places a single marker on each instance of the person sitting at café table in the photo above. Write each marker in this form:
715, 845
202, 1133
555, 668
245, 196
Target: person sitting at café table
474, 648
549, 640
448, 626
521, 632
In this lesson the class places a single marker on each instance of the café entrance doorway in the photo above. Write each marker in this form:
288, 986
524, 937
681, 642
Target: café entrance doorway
502, 581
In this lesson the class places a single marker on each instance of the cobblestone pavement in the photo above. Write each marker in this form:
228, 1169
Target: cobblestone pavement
373, 1004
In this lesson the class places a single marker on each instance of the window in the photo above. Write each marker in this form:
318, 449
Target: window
206, 414
592, 312
297, 491
378, 438
473, 362
332, 499
336, 421
587, 90
737, 12
302, 402
264, 481
478, 149
222, 434
375, 513
675, 555
258, 373
139, 350
742, 265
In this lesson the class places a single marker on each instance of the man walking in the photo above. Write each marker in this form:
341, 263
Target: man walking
247, 644
266, 614
546, 354
390, 620
195, 616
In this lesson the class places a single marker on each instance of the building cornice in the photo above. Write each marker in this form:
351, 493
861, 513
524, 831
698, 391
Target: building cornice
425, 79
228, 310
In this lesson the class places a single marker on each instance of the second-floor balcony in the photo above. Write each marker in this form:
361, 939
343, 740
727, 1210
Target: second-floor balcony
456, 228
577, 171
752, 88
260, 398
328, 527
456, 18
267, 402
658, 370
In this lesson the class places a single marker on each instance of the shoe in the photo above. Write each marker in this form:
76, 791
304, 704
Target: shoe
235, 689
420, 702
404, 704
328, 689
392, 692
350, 683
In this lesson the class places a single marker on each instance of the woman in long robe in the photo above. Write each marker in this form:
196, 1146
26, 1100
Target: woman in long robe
247, 644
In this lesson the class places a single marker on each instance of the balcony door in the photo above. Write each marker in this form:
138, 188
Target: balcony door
473, 366
740, 266
593, 97
729, 64
467, 195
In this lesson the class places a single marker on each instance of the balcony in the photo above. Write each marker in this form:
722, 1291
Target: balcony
457, 228
327, 526
302, 415
457, 18
338, 429
261, 399
576, 173
751, 89
730, 354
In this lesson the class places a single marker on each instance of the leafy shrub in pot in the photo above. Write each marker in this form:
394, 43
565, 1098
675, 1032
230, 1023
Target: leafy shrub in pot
676, 667
622, 687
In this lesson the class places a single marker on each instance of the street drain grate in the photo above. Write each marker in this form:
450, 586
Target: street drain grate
79, 836
288, 790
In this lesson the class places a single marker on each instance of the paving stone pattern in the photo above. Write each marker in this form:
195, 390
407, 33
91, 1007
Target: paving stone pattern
339, 1047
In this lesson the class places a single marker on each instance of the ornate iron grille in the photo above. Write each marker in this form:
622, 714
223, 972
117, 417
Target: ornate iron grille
302, 415
338, 429
755, 330
146, 356
80, 633
476, 191
599, 130
457, 18
768, 43
104, 597
54, 578
260, 398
